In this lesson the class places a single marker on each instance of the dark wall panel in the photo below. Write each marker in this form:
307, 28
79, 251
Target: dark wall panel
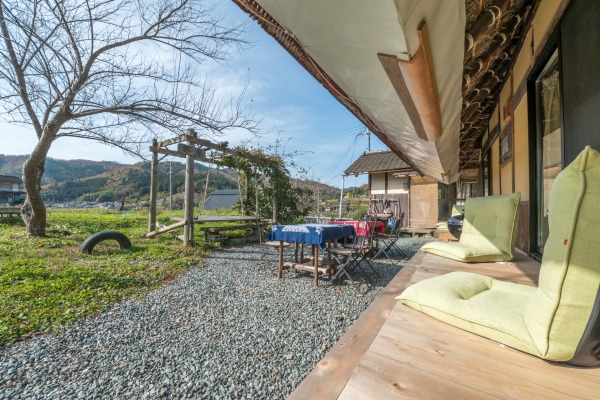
580, 53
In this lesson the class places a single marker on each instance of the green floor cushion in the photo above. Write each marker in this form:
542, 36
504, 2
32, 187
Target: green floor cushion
461, 252
559, 320
489, 231
476, 303
558, 314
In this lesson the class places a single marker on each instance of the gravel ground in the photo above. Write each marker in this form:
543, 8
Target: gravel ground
227, 330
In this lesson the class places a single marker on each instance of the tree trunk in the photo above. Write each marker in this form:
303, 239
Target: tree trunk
33, 211
123, 203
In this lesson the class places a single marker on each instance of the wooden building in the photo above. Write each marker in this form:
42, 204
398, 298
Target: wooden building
488, 96
11, 189
394, 186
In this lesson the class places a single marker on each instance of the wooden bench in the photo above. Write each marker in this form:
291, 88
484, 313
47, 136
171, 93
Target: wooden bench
12, 212
214, 233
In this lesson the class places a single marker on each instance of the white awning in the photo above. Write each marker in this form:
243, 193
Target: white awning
344, 38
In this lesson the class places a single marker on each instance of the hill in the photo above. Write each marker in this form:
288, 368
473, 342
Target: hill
133, 182
108, 181
58, 170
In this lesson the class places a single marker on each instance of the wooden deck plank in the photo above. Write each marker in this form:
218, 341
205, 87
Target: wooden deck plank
395, 352
417, 356
328, 378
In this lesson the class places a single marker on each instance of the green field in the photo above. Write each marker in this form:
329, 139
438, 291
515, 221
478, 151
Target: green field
46, 284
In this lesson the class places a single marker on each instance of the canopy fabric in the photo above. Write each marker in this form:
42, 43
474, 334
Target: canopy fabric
344, 38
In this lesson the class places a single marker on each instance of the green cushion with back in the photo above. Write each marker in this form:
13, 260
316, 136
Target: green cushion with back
560, 319
489, 231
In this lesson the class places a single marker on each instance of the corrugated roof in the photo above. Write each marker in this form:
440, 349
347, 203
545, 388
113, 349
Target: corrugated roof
226, 191
377, 162
222, 199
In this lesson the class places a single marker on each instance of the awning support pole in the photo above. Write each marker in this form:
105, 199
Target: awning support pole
341, 196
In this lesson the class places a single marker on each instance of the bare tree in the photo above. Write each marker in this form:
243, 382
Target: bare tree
114, 71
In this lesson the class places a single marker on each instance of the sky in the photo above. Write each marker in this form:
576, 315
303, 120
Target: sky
289, 103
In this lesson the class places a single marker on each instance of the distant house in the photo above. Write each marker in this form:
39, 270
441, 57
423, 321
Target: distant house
11, 189
394, 186
222, 199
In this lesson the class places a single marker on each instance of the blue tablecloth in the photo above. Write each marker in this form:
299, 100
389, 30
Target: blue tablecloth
310, 233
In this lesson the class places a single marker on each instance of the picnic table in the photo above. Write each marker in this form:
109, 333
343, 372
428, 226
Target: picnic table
252, 225
317, 235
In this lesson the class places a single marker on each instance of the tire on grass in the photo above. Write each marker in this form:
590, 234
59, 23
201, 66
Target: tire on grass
88, 244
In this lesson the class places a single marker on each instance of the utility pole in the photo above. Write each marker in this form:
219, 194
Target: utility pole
341, 196
318, 204
368, 134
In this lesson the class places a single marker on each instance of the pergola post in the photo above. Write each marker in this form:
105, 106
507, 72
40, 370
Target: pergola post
153, 188
188, 209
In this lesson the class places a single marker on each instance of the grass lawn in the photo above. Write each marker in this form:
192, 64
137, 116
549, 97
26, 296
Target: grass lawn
46, 284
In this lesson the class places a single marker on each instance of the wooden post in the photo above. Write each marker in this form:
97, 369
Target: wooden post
316, 263
165, 229
280, 271
153, 188
188, 230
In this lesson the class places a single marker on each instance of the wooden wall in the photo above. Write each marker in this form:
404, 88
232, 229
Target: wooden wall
423, 202
514, 176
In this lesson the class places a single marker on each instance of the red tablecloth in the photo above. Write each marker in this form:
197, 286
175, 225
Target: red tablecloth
363, 228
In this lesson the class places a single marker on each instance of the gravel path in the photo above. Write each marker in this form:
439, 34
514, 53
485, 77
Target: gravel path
227, 330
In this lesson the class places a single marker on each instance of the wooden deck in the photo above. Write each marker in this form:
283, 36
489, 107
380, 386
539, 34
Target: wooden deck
395, 352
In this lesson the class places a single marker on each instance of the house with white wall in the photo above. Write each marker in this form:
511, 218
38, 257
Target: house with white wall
394, 186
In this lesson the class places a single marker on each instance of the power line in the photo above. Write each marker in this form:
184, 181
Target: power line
333, 170
327, 139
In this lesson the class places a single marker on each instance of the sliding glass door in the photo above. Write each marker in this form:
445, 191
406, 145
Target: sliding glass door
549, 138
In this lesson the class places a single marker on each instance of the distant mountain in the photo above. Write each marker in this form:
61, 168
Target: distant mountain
133, 182
58, 170
84, 180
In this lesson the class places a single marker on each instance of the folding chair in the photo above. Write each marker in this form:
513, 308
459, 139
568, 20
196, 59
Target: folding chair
352, 256
387, 243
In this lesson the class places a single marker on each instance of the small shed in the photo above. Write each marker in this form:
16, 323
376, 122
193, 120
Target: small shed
394, 186
11, 189
222, 199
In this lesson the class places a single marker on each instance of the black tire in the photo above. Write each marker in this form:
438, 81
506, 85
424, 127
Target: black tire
88, 244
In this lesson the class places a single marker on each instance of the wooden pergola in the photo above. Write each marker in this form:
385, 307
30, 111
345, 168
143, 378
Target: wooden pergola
193, 149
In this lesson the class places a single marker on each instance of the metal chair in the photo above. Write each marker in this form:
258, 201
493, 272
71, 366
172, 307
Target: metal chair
387, 243
354, 255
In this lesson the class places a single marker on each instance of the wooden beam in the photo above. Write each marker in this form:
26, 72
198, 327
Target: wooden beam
210, 145
419, 77
177, 139
166, 229
191, 151
167, 152
392, 69
435, 118
177, 154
